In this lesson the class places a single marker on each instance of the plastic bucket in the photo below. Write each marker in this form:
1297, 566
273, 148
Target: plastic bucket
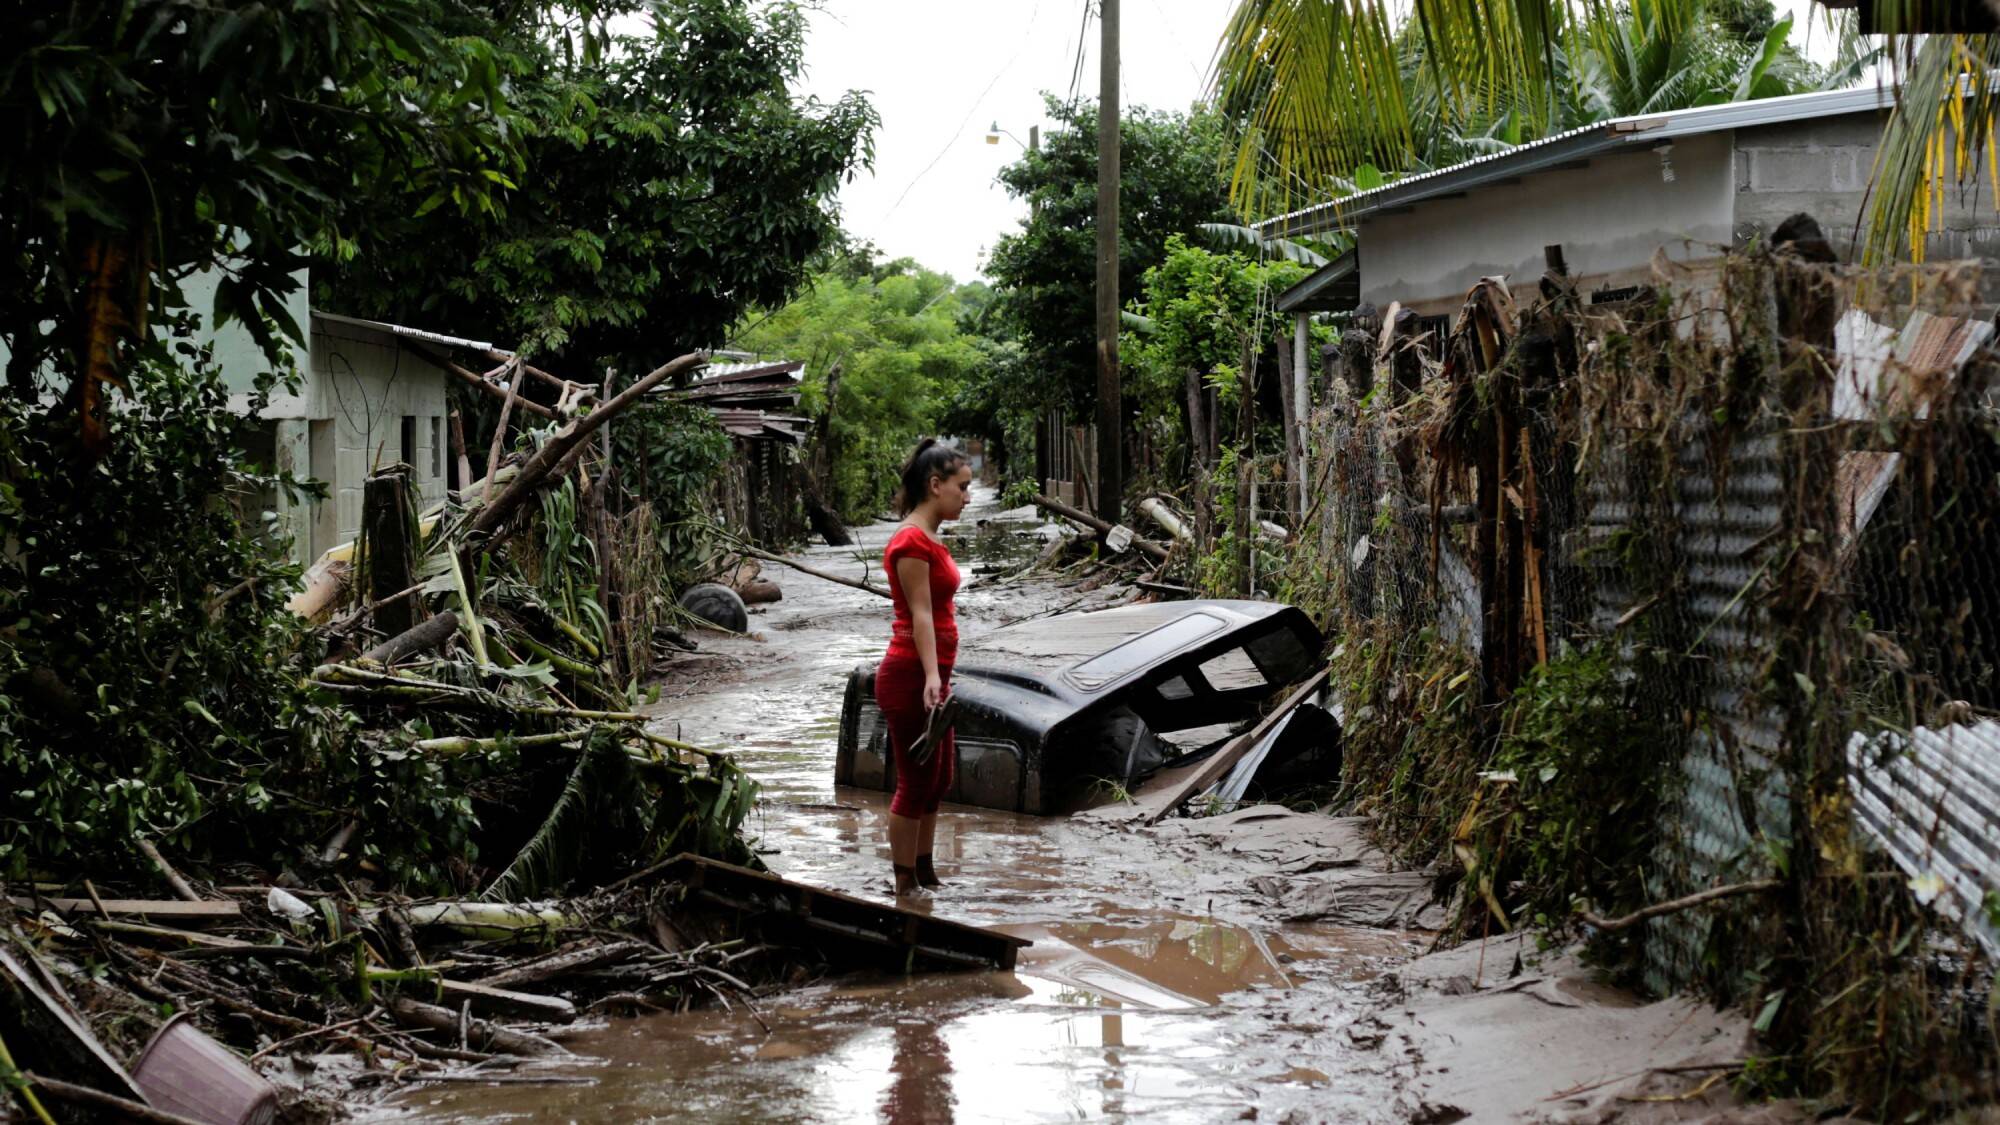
184, 1071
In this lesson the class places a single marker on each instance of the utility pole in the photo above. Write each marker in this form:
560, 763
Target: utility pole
1110, 407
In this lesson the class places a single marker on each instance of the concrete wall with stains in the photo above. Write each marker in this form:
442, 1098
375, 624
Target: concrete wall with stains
1610, 216
1823, 167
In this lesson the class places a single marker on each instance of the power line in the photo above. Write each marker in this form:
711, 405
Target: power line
971, 111
1076, 68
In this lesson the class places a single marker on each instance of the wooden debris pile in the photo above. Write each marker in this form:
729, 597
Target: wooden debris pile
422, 990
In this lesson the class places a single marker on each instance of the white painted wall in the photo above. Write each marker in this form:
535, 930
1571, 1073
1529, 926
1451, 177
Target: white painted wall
237, 355
362, 386
1610, 216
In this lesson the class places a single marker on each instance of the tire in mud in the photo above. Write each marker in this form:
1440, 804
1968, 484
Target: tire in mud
717, 605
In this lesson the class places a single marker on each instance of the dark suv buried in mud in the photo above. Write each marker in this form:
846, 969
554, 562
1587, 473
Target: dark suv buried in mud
1057, 711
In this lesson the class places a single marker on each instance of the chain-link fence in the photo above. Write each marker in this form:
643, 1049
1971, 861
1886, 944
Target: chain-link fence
1695, 588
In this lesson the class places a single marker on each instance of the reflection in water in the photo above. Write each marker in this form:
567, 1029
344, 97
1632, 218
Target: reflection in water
920, 1076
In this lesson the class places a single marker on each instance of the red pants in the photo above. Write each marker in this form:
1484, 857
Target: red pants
899, 692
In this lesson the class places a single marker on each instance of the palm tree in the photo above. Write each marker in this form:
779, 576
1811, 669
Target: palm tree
1333, 96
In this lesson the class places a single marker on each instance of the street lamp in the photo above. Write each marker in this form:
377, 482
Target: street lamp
995, 132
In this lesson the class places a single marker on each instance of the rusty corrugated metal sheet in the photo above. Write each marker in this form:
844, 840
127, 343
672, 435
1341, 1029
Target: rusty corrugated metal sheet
1931, 800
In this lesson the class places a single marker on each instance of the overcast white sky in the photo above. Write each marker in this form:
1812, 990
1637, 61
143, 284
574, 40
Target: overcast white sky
941, 71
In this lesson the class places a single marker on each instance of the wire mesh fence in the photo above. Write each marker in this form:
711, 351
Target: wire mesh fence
1744, 529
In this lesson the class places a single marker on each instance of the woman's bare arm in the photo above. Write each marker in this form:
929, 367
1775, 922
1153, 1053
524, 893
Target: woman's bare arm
914, 575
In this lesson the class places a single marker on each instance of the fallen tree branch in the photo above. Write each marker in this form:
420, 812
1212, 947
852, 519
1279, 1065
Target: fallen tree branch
475, 380
541, 467
422, 637
759, 553
180, 886
124, 1109
1151, 549
1674, 906
485, 1033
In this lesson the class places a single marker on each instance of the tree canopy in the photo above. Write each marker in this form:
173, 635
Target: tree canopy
149, 139
1046, 273
1334, 96
887, 336
669, 181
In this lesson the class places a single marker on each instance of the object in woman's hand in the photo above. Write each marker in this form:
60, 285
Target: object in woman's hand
941, 718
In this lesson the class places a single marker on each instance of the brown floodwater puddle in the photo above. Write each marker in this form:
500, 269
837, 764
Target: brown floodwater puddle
1099, 1020
1121, 1007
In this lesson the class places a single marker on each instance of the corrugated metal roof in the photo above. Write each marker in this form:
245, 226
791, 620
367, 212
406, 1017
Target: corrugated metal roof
1576, 144
1932, 801
747, 372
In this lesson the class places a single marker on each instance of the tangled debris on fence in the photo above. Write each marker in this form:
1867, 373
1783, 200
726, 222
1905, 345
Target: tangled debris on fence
1628, 583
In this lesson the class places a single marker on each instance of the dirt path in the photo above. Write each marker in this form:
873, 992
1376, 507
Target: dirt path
1164, 983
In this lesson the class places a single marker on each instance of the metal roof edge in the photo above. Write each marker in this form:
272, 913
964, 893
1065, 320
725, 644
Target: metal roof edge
1345, 265
1578, 143
405, 333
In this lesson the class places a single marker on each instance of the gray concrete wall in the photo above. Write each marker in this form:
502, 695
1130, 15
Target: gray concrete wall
1610, 217
1823, 168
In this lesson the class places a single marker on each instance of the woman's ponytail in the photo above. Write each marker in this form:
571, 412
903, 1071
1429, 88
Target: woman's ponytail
933, 460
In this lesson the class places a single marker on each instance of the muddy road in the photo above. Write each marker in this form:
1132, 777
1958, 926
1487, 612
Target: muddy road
1158, 986
1164, 983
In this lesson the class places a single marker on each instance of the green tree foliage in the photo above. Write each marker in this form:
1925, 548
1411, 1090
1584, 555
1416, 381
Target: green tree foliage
892, 331
676, 451
1046, 273
1202, 309
669, 182
147, 139
143, 683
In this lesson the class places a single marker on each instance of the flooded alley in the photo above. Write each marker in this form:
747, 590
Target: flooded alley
1159, 986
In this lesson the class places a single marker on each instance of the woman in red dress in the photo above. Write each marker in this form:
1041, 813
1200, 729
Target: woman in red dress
914, 677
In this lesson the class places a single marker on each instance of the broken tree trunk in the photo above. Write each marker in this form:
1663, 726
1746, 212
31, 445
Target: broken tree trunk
389, 526
320, 588
499, 442
463, 462
825, 524
759, 552
419, 638
541, 468
1151, 549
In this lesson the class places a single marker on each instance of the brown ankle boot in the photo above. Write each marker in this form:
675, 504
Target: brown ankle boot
906, 880
926, 874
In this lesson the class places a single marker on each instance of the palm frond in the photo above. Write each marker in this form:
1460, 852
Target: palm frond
1940, 133
1234, 236
547, 862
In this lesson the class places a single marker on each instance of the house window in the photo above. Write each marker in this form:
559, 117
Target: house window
410, 440
437, 447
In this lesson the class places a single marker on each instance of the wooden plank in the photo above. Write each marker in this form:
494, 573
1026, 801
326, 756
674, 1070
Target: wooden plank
891, 928
487, 1000
138, 907
1218, 763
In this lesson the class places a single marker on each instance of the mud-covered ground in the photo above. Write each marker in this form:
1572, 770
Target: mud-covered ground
1174, 975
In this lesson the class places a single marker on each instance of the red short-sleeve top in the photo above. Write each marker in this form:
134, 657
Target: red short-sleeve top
913, 543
